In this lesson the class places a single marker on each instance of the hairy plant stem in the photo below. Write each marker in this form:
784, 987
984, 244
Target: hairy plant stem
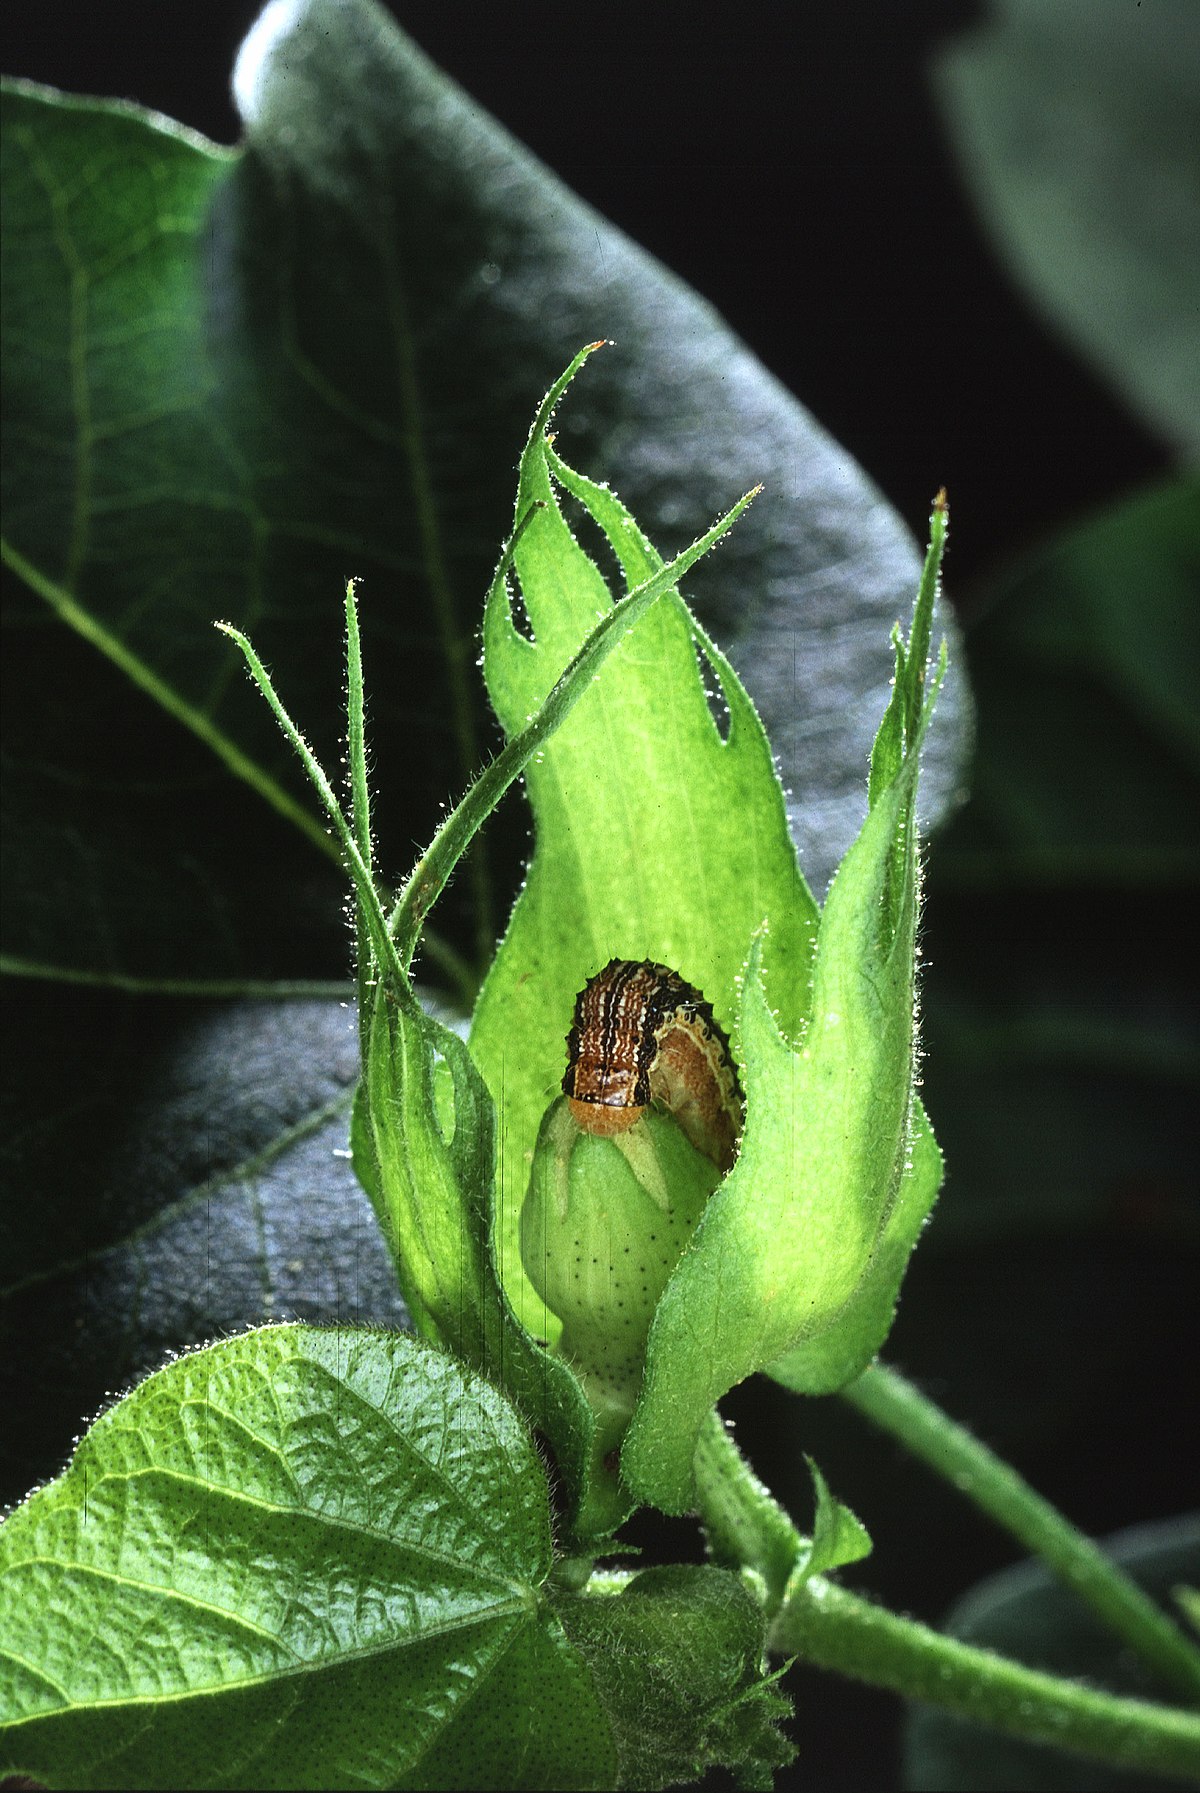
831, 1628
360, 810
744, 1524
894, 1404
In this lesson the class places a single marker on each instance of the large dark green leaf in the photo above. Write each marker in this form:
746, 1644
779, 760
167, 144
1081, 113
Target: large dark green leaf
232, 379
1087, 757
299, 1558
256, 418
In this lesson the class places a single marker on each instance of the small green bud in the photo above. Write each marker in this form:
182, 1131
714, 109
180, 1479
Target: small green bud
605, 1221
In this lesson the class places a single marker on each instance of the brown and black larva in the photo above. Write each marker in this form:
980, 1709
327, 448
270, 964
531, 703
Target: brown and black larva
641, 1034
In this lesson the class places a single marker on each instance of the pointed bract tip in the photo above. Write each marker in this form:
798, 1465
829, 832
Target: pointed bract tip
941, 503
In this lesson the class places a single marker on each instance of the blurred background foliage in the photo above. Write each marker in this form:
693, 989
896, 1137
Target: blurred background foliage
964, 236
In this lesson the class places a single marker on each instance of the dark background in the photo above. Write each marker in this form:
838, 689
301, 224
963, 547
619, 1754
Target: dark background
791, 166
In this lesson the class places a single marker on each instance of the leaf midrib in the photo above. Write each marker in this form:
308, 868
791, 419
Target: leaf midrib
272, 1677
245, 1171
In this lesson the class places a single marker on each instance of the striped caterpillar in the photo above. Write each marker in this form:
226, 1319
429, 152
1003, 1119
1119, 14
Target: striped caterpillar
641, 1035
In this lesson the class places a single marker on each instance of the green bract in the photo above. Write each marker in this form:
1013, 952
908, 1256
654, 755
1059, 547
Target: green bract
424, 1122
802, 1251
658, 836
661, 836
677, 1659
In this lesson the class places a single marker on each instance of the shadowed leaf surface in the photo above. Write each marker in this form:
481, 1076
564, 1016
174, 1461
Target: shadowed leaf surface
183, 1175
1062, 897
233, 378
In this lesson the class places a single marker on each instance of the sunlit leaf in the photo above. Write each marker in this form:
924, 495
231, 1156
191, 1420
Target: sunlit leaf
303, 1558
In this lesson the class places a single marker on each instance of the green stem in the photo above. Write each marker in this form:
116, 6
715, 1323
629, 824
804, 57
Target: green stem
208, 988
356, 865
360, 811
833, 1629
743, 1522
458, 974
893, 1403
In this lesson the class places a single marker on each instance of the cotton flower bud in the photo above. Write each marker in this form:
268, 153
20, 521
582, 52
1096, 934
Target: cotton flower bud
604, 1223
